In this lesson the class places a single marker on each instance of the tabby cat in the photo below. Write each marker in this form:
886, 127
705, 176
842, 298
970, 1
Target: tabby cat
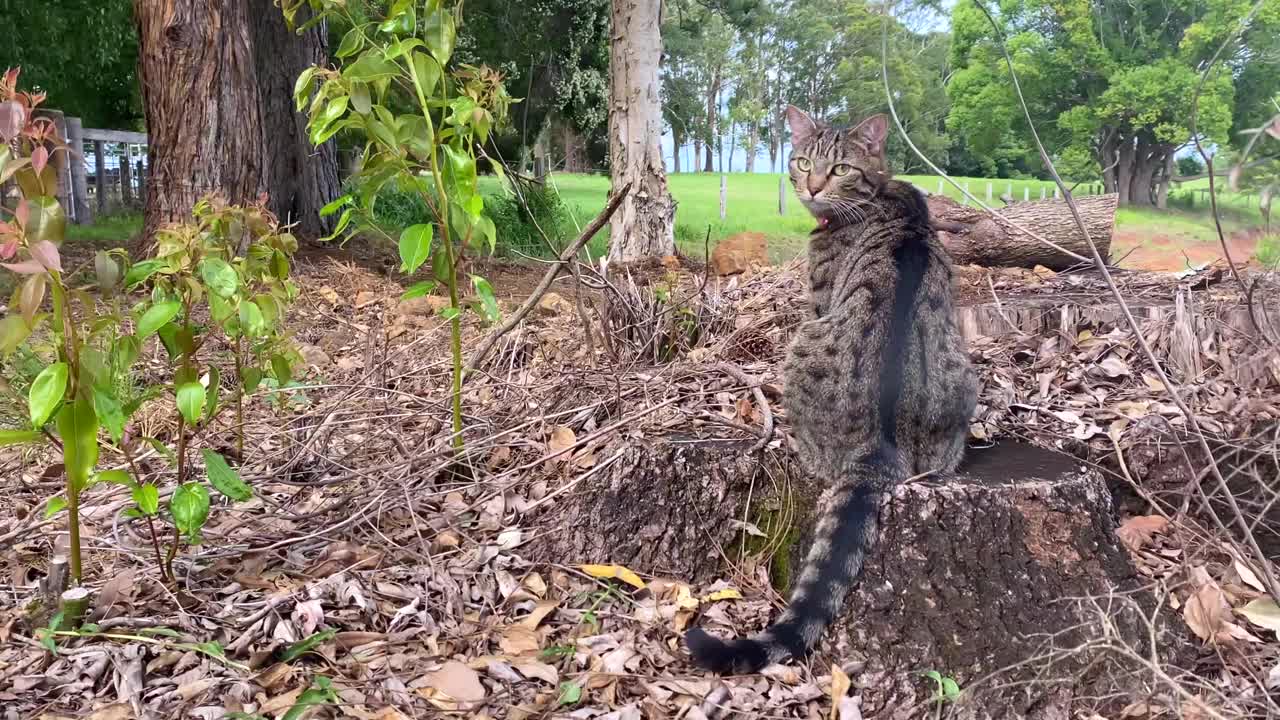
878, 383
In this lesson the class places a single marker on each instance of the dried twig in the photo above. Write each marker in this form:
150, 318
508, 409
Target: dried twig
556, 268
765, 411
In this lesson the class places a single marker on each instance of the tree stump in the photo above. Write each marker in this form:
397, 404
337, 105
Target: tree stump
974, 236
972, 576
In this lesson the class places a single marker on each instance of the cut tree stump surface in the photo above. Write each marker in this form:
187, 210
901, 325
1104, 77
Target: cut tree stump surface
972, 574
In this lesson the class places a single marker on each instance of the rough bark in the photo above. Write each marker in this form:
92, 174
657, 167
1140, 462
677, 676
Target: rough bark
713, 115
976, 237
575, 150
675, 151
645, 224
299, 178
753, 141
203, 119
1124, 169
970, 574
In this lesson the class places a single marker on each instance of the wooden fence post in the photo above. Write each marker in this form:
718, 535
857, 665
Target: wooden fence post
100, 175
126, 175
724, 194
939, 186
988, 191
1026, 193
1041, 192
1055, 192
965, 199
782, 196
79, 178
141, 175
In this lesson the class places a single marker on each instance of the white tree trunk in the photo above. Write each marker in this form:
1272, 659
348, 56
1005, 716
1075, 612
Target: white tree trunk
644, 225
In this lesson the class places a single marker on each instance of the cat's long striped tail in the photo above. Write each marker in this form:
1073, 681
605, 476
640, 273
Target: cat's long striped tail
847, 529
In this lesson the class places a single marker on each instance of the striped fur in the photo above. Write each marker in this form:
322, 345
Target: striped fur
878, 382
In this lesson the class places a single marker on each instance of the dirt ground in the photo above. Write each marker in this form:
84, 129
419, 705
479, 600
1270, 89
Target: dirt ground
1154, 250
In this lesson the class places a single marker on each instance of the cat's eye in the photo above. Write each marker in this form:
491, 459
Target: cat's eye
841, 170
804, 164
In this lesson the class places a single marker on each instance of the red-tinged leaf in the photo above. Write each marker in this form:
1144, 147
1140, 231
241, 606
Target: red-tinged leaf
46, 253
1274, 128
39, 159
30, 297
22, 213
11, 78
13, 117
26, 267
9, 249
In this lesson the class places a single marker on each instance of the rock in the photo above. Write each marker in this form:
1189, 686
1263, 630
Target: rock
313, 356
365, 298
427, 305
740, 253
555, 304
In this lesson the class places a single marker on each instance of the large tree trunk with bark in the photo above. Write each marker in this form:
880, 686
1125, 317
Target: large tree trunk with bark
675, 151
971, 575
201, 104
217, 81
976, 237
299, 177
644, 225
575, 150
713, 116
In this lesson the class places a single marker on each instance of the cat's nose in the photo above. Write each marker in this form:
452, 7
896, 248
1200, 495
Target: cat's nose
815, 183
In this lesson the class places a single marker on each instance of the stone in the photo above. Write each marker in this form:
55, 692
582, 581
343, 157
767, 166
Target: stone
740, 253
555, 304
313, 356
427, 305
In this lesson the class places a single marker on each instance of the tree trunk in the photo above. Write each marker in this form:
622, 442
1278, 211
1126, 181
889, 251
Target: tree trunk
1146, 160
644, 225
675, 151
575, 150
697, 154
1124, 170
1166, 176
299, 177
753, 141
713, 116
203, 119
1001, 547
976, 237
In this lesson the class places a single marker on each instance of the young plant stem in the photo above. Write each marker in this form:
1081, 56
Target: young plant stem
455, 323
151, 525
239, 403
62, 318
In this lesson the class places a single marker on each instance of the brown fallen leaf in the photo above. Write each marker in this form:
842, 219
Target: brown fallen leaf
540, 612
115, 591
562, 438
1206, 611
1136, 532
540, 670
458, 682
280, 704
517, 641
274, 676
352, 639
114, 711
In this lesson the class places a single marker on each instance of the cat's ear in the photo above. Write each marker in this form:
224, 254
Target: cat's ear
802, 126
872, 133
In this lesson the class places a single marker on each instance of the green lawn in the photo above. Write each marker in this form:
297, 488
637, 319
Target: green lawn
751, 205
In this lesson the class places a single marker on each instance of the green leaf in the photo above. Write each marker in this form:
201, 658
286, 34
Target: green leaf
156, 316
487, 231
191, 401
163, 450
428, 71
107, 271
19, 437
140, 272
147, 497
110, 414
251, 320
219, 276
462, 168
54, 506
335, 205
251, 378
306, 645
415, 247
212, 649
351, 43
488, 303
323, 694
46, 392
169, 335
211, 394
570, 693
371, 66
125, 353
933, 675
950, 690
13, 331
360, 98
439, 32
190, 508
419, 289
302, 87
115, 477
440, 267
449, 313
78, 428
223, 478
47, 221
281, 370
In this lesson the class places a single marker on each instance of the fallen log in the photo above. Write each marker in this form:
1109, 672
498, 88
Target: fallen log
975, 576
976, 237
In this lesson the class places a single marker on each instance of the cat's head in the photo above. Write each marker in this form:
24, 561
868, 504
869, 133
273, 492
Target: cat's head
836, 170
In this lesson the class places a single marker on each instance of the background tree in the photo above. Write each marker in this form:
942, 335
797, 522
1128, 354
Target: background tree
83, 53
1113, 80
217, 82
644, 225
